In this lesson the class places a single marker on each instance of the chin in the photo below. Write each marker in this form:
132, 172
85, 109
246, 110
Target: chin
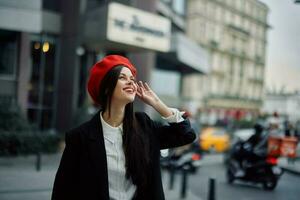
129, 99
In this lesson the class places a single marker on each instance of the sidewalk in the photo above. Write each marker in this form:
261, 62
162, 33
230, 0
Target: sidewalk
290, 166
175, 193
19, 179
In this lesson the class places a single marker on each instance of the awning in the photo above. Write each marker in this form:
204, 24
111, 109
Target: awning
185, 56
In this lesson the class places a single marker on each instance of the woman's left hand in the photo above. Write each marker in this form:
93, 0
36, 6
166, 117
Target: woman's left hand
145, 93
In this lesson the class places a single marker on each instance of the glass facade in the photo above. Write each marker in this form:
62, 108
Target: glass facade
53, 5
40, 104
178, 6
161, 77
8, 53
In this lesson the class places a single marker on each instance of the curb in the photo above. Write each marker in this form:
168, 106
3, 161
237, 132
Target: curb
290, 170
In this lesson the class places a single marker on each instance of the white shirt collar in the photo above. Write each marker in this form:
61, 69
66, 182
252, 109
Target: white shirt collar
109, 132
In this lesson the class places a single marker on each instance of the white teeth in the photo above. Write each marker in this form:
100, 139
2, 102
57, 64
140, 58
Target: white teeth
129, 90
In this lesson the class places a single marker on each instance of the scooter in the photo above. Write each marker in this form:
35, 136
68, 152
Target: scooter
256, 166
189, 160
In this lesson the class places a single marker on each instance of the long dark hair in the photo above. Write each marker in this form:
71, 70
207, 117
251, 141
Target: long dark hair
135, 142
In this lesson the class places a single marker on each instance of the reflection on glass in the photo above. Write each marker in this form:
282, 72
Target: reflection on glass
33, 105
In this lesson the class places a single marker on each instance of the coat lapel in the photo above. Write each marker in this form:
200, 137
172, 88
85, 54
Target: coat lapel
97, 151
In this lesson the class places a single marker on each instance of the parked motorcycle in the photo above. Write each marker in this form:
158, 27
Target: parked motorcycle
189, 160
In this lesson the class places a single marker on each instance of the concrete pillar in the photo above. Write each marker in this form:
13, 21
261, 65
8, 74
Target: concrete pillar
145, 63
145, 60
24, 72
69, 66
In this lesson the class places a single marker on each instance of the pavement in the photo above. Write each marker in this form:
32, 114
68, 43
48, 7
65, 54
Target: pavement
19, 179
175, 193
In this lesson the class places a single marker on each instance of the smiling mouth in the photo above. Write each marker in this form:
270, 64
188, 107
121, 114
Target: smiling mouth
128, 90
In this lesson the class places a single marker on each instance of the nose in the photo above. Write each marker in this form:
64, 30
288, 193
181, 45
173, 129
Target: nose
130, 82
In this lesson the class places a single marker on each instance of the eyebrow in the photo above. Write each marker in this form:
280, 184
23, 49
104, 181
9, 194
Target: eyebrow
126, 75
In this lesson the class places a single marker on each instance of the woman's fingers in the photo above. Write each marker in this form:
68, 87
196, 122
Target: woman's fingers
140, 91
138, 94
140, 83
138, 88
142, 87
147, 86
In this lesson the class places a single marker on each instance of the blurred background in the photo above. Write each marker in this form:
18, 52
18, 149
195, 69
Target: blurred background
229, 63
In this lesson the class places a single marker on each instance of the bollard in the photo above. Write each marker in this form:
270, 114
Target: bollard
211, 190
172, 176
184, 182
38, 161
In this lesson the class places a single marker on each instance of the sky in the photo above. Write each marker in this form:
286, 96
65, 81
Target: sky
283, 48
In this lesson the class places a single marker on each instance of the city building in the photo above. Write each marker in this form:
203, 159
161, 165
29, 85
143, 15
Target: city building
285, 104
234, 32
28, 56
48, 46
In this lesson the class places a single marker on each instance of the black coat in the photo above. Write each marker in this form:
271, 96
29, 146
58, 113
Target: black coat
82, 173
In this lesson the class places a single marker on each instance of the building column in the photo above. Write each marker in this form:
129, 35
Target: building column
144, 61
145, 64
24, 72
67, 91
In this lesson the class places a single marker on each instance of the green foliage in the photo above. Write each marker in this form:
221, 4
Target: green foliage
17, 136
12, 119
24, 143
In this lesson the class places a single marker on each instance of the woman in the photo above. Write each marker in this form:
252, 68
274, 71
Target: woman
115, 155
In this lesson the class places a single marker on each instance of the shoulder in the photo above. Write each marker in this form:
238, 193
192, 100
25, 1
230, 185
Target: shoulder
141, 116
75, 134
144, 119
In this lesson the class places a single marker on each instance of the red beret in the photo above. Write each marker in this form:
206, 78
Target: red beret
100, 69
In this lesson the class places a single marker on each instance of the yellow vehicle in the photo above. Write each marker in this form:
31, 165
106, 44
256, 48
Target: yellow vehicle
214, 139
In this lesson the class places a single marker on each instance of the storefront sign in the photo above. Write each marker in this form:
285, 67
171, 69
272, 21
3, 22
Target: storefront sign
135, 27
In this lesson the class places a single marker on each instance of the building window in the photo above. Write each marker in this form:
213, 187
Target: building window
179, 6
53, 5
238, 4
40, 103
8, 53
218, 13
167, 1
159, 77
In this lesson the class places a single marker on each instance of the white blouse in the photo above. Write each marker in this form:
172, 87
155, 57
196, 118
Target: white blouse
121, 188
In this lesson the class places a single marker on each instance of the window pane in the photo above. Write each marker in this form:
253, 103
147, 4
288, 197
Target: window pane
8, 52
42, 58
160, 77
179, 6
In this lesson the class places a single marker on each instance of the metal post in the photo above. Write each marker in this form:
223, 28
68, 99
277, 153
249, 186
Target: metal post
184, 183
172, 176
38, 161
211, 190
41, 83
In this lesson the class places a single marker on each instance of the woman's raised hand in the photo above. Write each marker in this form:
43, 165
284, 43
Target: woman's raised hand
145, 93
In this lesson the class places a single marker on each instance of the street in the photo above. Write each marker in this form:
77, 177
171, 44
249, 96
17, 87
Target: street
20, 180
287, 188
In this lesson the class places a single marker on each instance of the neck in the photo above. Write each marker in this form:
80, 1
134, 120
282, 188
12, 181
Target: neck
116, 116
